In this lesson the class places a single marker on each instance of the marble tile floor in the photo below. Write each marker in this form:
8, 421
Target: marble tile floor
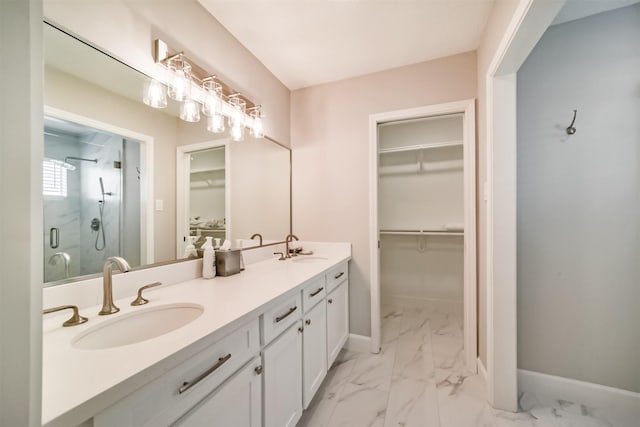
418, 380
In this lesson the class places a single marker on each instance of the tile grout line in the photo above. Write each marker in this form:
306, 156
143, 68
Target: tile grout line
393, 365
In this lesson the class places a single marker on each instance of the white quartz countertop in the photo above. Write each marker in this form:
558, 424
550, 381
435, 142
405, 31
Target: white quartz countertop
77, 383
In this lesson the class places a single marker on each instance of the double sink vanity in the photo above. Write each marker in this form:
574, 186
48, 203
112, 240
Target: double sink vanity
245, 350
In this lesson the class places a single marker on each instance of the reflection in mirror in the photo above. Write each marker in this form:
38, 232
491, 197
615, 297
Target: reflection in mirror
207, 196
84, 86
91, 191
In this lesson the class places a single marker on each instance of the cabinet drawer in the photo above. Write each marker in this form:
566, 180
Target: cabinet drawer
238, 402
165, 399
313, 293
337, 275
280, 316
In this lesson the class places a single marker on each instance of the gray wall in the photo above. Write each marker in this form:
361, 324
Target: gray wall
579, 202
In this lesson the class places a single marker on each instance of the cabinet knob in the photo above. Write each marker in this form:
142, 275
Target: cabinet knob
330, 301
308, 321
300, 329
258, 370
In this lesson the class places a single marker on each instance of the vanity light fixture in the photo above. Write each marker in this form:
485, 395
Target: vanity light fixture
186, 83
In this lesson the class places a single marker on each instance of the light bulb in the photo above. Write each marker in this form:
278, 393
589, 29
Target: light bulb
189, 111
155, 94
215, 123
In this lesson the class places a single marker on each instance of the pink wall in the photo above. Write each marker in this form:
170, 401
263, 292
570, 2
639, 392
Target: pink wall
330, 142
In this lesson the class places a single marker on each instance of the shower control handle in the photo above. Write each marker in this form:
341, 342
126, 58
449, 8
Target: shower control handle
54, 237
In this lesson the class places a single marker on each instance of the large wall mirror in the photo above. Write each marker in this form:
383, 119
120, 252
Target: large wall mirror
121, 178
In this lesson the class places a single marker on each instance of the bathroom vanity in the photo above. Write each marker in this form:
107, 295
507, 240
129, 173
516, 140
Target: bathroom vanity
250, 349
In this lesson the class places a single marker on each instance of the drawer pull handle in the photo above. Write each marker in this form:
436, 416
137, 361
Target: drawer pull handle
339, 275
330, 301
188, 384
284, 316
313, 294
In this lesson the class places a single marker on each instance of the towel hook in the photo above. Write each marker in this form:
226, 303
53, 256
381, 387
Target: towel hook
570, 129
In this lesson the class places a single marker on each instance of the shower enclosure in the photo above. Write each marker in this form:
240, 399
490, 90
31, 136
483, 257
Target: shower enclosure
91, 193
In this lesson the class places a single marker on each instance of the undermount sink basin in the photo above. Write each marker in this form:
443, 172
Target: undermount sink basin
138, 326
308, 259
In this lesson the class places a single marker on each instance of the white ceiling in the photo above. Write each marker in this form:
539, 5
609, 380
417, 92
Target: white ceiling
309, 42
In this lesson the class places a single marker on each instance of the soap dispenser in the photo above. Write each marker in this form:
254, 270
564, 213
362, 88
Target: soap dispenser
208, 259
190, 249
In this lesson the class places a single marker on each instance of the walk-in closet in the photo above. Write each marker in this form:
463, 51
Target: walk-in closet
423, 206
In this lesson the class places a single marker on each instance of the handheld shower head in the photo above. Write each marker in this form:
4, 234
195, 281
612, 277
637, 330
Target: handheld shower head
101, 187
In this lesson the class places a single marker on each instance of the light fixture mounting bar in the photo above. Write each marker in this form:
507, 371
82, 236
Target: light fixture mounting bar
162, 55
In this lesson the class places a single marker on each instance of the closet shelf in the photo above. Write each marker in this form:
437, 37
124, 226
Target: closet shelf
420, 147
422, 232
207, 170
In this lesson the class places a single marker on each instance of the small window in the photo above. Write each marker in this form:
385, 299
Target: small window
54, 178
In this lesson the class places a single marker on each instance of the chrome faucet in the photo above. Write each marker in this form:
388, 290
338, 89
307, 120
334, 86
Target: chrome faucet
288, 240
259, 236
108, 307
66, 259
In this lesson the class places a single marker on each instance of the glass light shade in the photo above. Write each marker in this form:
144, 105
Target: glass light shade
256, 129
239, 106
213, 98
155, 94
190, 111
237, 132
215, 123
180, 81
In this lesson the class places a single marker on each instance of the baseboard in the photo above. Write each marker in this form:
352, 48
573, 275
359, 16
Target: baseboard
358, 343
482, 371
623, 403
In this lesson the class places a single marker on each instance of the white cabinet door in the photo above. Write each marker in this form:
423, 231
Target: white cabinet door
283, 379
238, 402
337, 320
314, 351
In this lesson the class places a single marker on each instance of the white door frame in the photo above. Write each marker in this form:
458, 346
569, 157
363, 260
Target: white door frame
183, 168
530, 20
467, 108
146, 177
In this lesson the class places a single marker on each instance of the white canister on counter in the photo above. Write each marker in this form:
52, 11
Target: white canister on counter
208, 259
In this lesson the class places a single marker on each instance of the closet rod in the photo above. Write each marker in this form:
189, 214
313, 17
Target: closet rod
417, 147
422, 232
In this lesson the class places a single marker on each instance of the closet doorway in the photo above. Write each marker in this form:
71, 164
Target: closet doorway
423, 229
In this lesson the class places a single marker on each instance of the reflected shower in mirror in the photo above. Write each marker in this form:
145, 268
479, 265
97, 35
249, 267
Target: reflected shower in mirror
91, 200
